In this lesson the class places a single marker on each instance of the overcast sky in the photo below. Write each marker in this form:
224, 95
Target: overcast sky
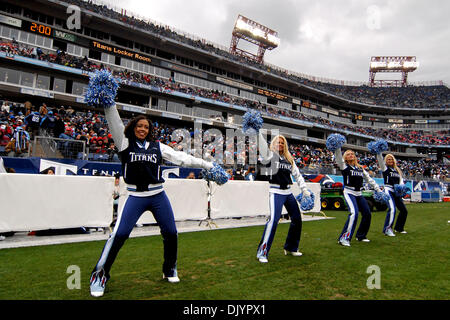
324, 38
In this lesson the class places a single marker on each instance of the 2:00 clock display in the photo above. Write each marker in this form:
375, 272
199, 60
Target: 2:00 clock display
37, 28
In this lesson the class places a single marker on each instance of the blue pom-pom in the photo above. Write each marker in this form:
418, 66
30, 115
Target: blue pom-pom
216, 174
102, 89
252, 119
335, 141
401, 190
377, 146
381, 197
306, 203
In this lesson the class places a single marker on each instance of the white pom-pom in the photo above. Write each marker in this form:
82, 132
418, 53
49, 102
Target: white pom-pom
335, 141
252, 119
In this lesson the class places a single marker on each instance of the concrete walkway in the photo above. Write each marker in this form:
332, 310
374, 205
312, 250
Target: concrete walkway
22, 239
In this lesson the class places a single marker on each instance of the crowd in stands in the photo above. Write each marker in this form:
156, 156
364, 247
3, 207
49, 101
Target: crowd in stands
308, 157
437, 96
398, 135
84, 125
394, 97
129, 77
63, 123
12, 48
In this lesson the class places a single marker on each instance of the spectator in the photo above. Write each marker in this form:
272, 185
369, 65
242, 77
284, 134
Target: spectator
250, 174
427, 172
97, 125
230, 173
58, 127
93, 147
5, 106
48, 123
50, 171
33, 121
101, 147
191, 175
116, 195
19, 145
238, 175
28, 108
43, 110
38, 52
4, 136
112, 152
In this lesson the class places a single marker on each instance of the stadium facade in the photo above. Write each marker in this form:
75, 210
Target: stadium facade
304, 110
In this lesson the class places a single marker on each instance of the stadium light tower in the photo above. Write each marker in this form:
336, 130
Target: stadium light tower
255, 33
391, 64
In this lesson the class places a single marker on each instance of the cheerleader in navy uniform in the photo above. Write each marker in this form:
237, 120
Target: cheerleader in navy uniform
141, 159
392, 176
354, 175
280, 194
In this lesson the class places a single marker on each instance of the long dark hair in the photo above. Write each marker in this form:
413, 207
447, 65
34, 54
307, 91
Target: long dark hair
129, 129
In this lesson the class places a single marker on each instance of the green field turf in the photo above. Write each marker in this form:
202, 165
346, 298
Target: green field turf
222, 264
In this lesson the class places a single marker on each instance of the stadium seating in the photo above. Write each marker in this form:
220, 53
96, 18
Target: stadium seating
409, 97
400, 135
308, 156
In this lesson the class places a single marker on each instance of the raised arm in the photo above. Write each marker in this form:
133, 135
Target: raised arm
264, 150
381, 163
181, 158
339, 159
116, 127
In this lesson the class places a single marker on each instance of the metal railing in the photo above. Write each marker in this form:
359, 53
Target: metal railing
45, 146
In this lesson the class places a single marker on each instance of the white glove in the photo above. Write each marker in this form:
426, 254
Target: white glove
306, 193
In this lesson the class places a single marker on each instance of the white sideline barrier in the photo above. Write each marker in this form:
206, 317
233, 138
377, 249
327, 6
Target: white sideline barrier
250, 198
38, 202
188, 197
315, 188
416, 196
239, 198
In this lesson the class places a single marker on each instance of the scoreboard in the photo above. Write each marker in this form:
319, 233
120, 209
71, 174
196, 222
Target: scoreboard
38, 28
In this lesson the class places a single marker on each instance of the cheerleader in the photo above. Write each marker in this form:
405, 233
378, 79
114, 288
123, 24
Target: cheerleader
280, 194
354, 175
392, 176
141, 159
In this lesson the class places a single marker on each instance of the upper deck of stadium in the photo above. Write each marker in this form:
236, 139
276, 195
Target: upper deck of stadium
183, 66
141, 40
418, 96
